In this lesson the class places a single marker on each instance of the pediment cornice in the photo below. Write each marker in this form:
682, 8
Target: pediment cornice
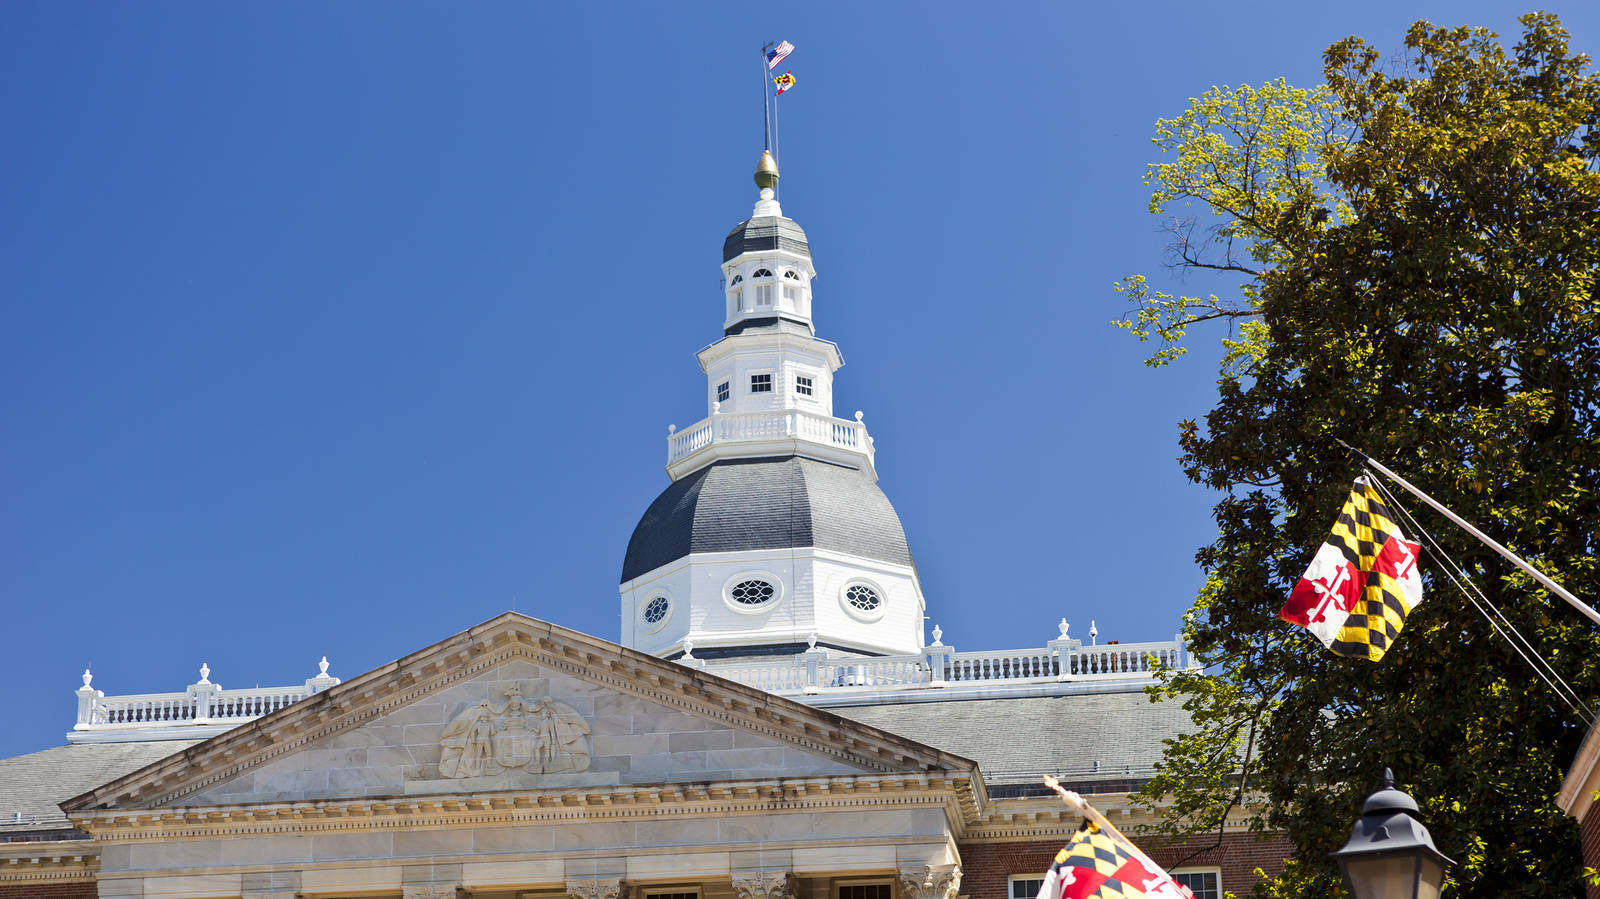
724, 800
479, 649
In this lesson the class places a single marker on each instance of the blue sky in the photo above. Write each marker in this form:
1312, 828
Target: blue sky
338, 328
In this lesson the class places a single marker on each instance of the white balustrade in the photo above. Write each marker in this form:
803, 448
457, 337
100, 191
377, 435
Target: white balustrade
939, 666
772, 425
202, 705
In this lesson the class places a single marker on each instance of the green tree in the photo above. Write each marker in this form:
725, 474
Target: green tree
1418, 247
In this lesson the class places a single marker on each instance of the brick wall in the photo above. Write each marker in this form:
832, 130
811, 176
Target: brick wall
986, 866
1589, 832
65, 890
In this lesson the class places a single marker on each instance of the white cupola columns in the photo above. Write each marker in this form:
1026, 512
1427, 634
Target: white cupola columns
774, 283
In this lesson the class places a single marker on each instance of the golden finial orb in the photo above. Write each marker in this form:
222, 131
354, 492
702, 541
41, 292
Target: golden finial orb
767, 171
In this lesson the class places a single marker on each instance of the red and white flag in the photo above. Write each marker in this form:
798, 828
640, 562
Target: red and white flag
777, 54
1362, 583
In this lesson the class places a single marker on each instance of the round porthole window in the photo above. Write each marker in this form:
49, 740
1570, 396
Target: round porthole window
752, 591
862, 600
653, 616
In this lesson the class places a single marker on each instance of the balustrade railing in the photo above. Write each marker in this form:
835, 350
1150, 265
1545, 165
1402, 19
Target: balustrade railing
201, 704
941, 666
772, 425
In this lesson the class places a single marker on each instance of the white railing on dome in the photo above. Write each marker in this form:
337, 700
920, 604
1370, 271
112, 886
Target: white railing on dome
777, 424
203, 704
817, 672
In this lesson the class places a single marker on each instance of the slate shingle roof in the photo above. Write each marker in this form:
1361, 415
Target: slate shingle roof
1017, 740
767, 325
765, 232
35, 784
780, 502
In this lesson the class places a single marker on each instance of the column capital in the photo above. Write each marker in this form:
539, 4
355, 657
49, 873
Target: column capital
596, 888
764, 884
929, 882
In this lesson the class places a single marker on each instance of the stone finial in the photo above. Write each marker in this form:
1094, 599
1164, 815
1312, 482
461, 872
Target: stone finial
764, 885
322, 667
860, 415
598, 888
87, 677
688, 649
1093, 632
811, 642
1063, 627
205, 673
672, 429
716, 407
928, 882
938, 635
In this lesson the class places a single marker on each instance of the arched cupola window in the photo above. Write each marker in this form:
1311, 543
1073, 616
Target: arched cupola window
792, 275
737, 279
762, 273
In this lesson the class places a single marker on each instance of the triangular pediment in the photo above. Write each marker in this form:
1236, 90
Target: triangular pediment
517, 704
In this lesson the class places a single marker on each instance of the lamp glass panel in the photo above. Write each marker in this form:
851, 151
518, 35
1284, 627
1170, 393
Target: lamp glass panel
1431, 876
1382, 877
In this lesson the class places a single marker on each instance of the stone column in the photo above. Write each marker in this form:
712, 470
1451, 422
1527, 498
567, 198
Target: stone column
598, 888
764, 885
931, 882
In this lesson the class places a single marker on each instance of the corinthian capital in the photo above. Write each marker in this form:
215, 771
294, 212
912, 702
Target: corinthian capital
599, 888
931, 883
764, 885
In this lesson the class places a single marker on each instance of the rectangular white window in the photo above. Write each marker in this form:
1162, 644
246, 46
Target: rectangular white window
1026, 886
741, 301
722, 392
763, 294
761, 383
802, 385
790, 294
1204, 884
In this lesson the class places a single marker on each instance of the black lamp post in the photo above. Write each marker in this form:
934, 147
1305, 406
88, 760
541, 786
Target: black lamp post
1390, 855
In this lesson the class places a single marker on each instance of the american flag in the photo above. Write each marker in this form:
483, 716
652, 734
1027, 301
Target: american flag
777, 54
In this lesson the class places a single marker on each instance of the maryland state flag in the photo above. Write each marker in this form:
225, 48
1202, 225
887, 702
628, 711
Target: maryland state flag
1097, 864
1362, 583
784, 81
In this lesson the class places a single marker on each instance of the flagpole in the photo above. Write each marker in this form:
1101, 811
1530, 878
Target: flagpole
1082, 806
1516, 560
777, 158
766, 108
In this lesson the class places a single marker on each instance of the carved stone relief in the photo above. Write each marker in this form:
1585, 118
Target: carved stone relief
931, 883
599, 888
546, 737
764, 885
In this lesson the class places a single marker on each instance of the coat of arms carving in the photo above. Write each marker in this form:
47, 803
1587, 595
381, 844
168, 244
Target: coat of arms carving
544, 737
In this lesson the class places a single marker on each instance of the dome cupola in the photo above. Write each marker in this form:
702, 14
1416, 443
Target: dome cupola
773, 535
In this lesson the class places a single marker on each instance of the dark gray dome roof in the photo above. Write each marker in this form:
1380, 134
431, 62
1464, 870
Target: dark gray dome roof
765, 232
781, 502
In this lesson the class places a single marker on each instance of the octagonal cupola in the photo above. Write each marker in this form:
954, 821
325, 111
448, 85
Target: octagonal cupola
766, 262
773, 535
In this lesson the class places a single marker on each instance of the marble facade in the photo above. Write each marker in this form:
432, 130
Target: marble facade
521, 759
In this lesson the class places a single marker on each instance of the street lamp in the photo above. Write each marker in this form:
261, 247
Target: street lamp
1390, 855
